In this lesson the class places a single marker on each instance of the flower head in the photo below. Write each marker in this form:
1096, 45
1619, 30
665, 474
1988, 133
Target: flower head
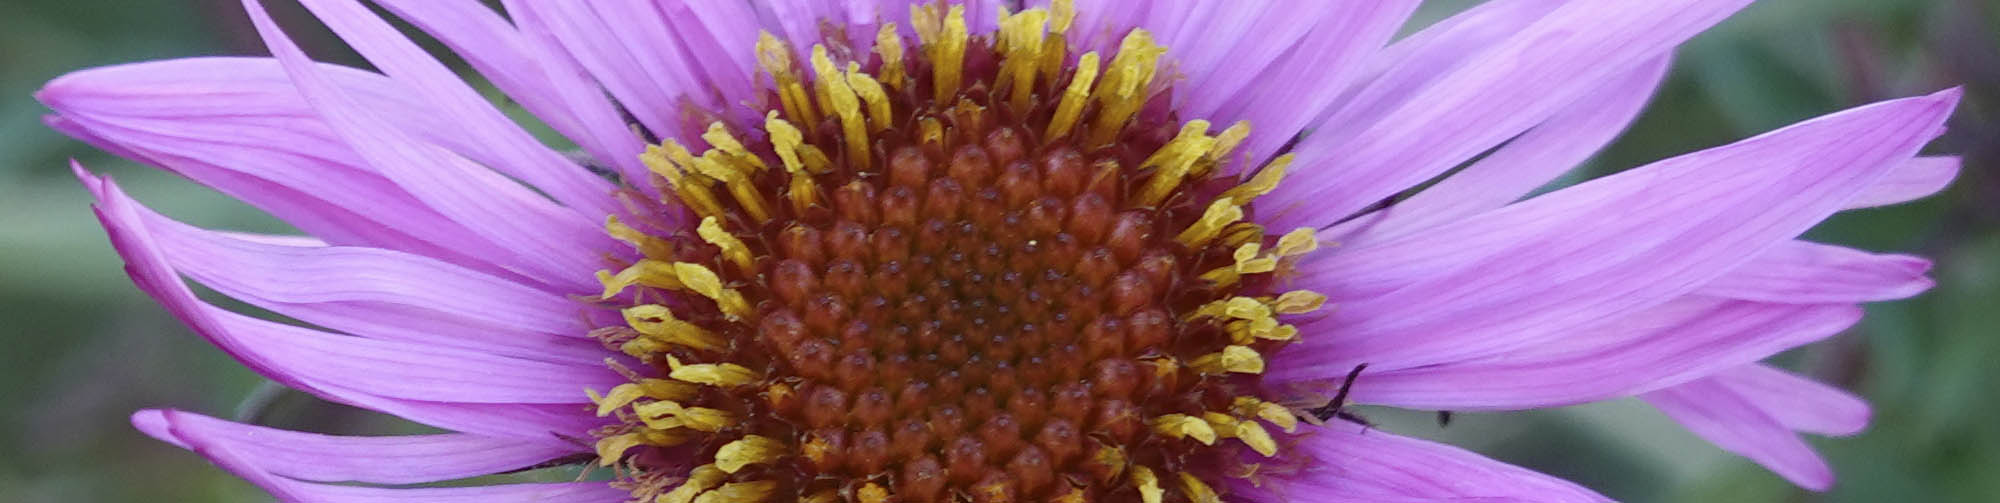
889, 251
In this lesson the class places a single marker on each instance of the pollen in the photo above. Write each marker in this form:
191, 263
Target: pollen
951, 266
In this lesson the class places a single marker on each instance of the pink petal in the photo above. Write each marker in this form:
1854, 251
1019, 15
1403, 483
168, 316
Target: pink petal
1801, 404
1668, 345
1356, 463
1737, 424
1617, 244
1282, 98
1516, 85
1522, 165
505, 145
549, 241
1802, 272
380, 293
1918, 179
327, 458
633, 56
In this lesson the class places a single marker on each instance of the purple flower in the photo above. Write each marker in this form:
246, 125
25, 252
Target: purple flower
864, 250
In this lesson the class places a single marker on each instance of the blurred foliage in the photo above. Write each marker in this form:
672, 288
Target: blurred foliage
84, 348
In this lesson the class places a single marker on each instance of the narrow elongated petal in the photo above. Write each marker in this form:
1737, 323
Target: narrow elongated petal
1357, 463
550, 241
1522, 165
1510, 88
328, 458
1803, 272
1737, 424
507, 147
1662, 347
616, 53
1623, 242
1799, 403
1280, 100
1918, 179
380, 293
234, 459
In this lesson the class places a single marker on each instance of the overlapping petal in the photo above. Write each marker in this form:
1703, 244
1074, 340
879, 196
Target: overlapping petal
328, 458
1355, 463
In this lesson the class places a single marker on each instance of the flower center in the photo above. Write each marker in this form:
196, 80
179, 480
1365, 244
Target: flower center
980, 270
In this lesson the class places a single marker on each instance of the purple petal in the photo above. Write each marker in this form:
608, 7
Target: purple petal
291, 355
1617, 244
549, 241
530, 68
506, 146
1801, 272
1917, 179
1352, 463
632, 55
1522, 165
327, 458
380, 293
1668, 345
1282, 98
234, 459
1799, 403
1737, 424
237, 125
1512, 87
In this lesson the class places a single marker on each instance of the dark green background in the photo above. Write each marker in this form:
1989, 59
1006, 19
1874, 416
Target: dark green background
80, 348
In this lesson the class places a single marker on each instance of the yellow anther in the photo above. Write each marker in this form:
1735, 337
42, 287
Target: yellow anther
718, 136
1198, 492
1023, 35
620, 396
930, 131
702, 478
732, 248
1125, 85
1112, 459
1268, 411
776, 58
1248, 331
1299, 241
1224, 424
712, 374
1148, 484
1227, 141
647, 244
1175, 161
1246, 308
699, 278
609, 449
699, 418
1219, 214
658, 323
672, 162
716, 164
880, 116
646, 272
1298, 302
872, 493
839, 98
1247, 262
740, 492
1254, 436
889, 45
746, 451
1061, 14
947, 52
1185, 426
1261, 183
785, 140
1235, 358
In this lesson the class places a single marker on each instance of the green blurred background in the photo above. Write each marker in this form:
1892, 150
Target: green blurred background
80, 348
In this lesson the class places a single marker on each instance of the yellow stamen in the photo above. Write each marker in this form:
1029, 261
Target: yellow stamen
1261, 183
1124, 88
776, 58
647, 244
947, 51
1112, 459
657, 322
702, 478
699, 418
1227, 141
672, 162
1298, 242
732, 248
1254, 436
1219, 214
1023, 34
746, 451
889, 45
1148, 484
718, 136
1271, 412
1298, 302
712, 374
1175, 160
1235, 358
715, 164
740, 492
880, 116
873, 493
1074, 96
1185, 426
647, 272
1198, 492
699, 278
840, 99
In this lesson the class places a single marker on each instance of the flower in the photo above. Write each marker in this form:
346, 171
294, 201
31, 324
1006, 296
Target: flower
1111, 251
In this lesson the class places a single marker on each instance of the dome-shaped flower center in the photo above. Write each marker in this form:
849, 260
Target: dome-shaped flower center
983, 269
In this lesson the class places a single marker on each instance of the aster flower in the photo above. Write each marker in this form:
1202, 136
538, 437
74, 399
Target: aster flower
874, 250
